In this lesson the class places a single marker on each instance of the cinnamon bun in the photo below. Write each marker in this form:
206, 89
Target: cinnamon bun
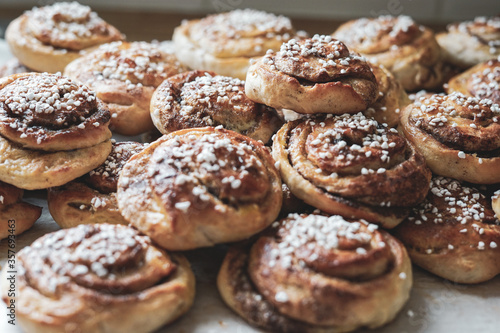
409, 50
226, 43
453, 233
314, 75
48, 38
199, 187
353, 166
481, 81
459, 136
124, 76
200, 98
52, 130
16, 216
469, 43
92, 198
312, 273
99, 278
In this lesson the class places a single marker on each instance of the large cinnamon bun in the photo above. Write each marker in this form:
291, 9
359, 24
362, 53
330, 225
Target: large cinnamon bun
124, 76
453, 233
459, 136
52, 130
198, 187
409, 50
314, 75
48, 38
98, 278
353, 166
200, 98
469, 43
92, 198
312, 273
225, 43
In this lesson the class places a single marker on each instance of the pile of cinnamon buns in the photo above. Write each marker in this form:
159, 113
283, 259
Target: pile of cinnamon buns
304, 151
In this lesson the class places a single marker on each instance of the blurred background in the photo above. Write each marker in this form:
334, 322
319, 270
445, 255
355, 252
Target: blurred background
156, 19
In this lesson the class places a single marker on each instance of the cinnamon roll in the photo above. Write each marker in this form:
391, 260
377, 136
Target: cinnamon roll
225, 43
48, 38
315, 75
52, 130
13, 66
99, 278
199, 187
481, 81
353, 166
92, 198
459, 136
469, 43
409, 50
124, 76
16, 216
200, 98
312, 273
453, 233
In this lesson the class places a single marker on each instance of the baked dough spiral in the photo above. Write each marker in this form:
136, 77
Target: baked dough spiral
200, 98
124, 76
12, 208
409, 50
48, 38
92, 198
453, 233
52, 130
469, 43
99, 278
225, 43
352, 166
198, 187
314, 75
481, 81
313, 273
459, 136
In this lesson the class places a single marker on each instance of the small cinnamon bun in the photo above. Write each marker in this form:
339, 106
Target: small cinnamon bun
92, 198
48, 38
314, 75
453, 233
200, 98
313, 273
353, 166
409, 50
52, 130
199, 187
124, 76
469, 43
226, 43
459, 136
99, 278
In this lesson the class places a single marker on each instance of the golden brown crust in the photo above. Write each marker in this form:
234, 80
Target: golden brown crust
481, 81
50, 112
92, 198
313, 273
459, 136
198, 187
124, 76
469, 43
315, 75
453, 233
353, 166
225, 43
99, 278
48, 38
16, 216
200, 98
410, 51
